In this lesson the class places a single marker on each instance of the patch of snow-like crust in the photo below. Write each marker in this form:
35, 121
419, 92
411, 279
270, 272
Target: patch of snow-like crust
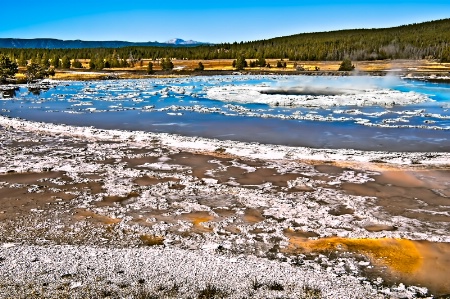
165, 268
337, 97
237, 148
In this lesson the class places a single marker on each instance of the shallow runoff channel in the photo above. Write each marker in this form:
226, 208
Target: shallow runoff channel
358, 112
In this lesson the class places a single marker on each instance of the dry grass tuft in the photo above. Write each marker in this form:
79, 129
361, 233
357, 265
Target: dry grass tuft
211, 292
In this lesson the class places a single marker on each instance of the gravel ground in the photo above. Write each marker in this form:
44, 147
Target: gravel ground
79, 271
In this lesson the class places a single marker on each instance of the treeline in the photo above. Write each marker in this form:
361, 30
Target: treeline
57, 58
429, 40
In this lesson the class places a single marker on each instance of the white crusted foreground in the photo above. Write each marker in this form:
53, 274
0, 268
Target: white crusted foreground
188, 262
83, 268
243, 149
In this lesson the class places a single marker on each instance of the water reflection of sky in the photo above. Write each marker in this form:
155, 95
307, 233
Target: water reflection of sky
180, 106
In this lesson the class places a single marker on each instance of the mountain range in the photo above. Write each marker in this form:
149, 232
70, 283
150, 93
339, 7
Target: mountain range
51, 43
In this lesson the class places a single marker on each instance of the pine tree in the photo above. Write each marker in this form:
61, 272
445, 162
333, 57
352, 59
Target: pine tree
22, 60
45, 61
97, 63
150, 68
346, 65
240, 63
8, 68
77, 64
37, 58
166, 64
55, 61
200, 67
65, 62
445, 56
36, 71
261, 61
114, 61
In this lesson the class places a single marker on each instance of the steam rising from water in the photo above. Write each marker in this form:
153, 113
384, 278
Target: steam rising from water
303, 91
306, 90
331, 86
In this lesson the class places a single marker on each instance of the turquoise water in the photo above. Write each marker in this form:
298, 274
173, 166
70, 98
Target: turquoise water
181, 106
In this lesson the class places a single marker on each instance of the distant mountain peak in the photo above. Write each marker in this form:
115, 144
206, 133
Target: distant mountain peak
180, 41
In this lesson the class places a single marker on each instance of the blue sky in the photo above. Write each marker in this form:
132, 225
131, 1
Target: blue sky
208, 21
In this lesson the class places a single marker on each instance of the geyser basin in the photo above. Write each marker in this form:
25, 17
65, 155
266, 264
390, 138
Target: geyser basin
365, 113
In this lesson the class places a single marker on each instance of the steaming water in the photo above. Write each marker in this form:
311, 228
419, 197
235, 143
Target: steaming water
181, 106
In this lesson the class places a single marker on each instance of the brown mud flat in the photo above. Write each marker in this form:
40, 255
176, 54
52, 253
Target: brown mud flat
81, 214
421, 194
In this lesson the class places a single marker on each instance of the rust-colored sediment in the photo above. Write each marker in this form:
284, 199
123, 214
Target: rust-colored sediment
82, 214
197, 218
421, 263
398, 254
253, 216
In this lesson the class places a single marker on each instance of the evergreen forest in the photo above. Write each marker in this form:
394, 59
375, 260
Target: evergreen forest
428, 40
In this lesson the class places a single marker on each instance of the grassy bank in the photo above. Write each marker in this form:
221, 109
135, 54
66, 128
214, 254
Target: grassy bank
224, 67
